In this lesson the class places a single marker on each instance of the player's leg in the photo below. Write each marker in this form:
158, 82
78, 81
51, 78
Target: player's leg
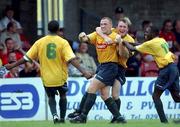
78, 110
175, 88
52, 103
161, 84
175, 93
158, 104
62, 102
115, 93
111, 105
120, 80
94, 86
105, 76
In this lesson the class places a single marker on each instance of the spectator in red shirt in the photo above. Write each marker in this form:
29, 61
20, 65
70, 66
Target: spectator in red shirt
13, 73
13, 47
168, 35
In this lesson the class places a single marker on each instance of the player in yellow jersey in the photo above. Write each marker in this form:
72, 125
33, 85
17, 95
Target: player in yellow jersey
106, 72
54, 53
121, 29
168, 77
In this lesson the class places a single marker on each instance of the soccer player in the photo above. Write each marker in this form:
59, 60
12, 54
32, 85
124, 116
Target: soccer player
106, 72
53, 53
122, 30
168, 77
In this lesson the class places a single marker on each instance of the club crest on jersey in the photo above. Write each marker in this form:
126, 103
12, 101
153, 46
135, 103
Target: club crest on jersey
101, 45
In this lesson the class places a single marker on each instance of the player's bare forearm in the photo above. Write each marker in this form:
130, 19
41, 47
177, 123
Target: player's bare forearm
99, 31
15, 64
129, 46
76, 64
136, 44
104, 36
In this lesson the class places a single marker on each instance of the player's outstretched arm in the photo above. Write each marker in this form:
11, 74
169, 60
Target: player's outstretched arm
129, 46
104, 36
15, 64
76, 64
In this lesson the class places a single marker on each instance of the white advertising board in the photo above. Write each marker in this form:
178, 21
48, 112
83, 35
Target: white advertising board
22, 99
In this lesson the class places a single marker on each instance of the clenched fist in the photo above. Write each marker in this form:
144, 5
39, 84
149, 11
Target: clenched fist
83, 37
118, 39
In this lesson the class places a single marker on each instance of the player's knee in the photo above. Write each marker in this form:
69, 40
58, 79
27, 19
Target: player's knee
104, 96
92, 89
115, 97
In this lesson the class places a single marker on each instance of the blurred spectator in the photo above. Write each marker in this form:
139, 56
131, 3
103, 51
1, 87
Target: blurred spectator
9, 17
61, 32
176, 31
140, 33
13, 47
3, 54
178, 60
0, 62
13, 73
25, 42
148, 67
168, 35
11, 32
12, 56
119, 15
85, 60
8, 47
74, 45
30, 70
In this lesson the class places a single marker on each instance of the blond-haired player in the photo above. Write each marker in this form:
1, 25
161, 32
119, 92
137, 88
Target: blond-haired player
124, 54
106, 73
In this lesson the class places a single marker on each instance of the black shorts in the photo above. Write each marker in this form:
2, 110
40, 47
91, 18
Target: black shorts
107, 73
168, 78
121, 74
52, 91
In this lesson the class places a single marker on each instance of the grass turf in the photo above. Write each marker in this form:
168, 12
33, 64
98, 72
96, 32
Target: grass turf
98, 123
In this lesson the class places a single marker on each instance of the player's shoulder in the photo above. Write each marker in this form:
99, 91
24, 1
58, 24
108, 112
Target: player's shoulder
94, 33
157, 40
129, 38
114, 30
113, 34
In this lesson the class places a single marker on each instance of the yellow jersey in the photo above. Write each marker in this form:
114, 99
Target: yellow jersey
53, 53
106, 53
159, 49
122, 60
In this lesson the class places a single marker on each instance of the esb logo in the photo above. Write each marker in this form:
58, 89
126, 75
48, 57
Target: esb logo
18, 100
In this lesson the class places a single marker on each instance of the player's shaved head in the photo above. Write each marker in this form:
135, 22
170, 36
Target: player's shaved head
106, 25
53, 26
109, 19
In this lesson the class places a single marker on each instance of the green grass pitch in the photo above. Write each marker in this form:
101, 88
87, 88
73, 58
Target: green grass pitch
98, 123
